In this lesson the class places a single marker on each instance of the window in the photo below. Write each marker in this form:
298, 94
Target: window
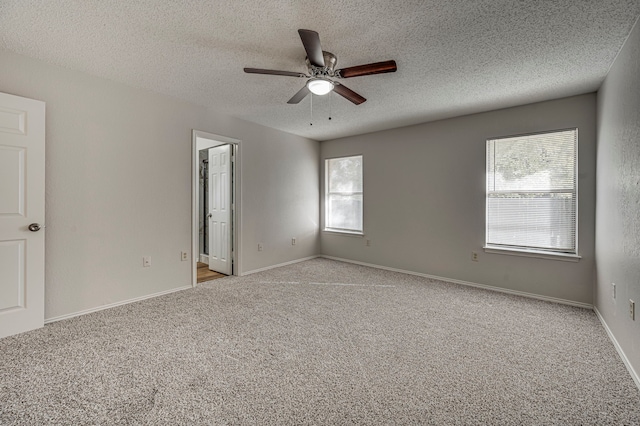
343, 194
531, 192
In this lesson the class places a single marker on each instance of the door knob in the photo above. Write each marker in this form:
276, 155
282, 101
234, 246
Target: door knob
34, 227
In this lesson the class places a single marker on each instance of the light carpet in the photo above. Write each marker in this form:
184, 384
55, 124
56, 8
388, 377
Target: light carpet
320, 342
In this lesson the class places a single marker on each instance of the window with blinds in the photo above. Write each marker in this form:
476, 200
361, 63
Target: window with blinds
531, 192
343, 194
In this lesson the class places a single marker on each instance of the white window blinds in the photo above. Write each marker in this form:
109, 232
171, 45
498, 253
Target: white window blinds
531, 192
343, 194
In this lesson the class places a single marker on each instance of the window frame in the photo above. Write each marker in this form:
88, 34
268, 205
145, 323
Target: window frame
522, 250
327, 194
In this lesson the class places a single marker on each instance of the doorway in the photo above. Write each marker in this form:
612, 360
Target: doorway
216, 207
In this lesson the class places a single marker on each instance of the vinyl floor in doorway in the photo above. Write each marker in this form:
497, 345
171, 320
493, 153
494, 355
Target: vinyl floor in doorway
204, 274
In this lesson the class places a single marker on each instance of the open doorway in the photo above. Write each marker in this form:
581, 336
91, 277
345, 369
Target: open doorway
215, 206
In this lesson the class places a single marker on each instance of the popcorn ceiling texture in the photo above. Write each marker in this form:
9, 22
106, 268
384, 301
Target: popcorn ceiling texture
454, 57
320, 342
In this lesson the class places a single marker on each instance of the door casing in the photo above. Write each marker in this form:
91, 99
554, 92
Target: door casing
204, 140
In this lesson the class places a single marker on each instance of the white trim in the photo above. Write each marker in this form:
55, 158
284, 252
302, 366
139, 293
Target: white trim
565, 257
113, 305
469, 283
623, 356
266, 268
204, 258
338, 232
327, 193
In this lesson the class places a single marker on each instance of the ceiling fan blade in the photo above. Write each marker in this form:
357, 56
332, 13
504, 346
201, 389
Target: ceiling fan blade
302, 93
311, 41
368, 69
348, 94
274, 72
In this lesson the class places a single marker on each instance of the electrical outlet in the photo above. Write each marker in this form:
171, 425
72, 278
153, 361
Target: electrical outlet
146, 261
474, 256
613, 290
632, 310
260, 247
293, 241
367, 243
184, 256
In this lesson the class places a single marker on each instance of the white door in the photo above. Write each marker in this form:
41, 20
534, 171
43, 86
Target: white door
220, 209
21, 214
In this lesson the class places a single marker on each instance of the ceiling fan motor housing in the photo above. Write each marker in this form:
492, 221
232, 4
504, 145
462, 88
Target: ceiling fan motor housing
321, 65
330, 62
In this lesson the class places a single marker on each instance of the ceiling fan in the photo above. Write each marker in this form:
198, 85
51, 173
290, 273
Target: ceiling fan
322, 71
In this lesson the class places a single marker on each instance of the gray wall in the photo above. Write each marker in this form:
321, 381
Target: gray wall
280, 192
424, 200
118, 186
618, 198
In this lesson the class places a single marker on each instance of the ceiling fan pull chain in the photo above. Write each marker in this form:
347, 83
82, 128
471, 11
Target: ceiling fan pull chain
330, 104
311, 104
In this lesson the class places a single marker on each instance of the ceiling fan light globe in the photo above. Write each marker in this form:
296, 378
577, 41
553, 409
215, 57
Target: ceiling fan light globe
319, 86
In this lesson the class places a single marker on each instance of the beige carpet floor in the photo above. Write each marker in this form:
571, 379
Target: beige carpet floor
320, 342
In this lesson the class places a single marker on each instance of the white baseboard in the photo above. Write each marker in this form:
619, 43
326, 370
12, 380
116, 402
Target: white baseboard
469, 283
625, 360
253, 271
113, 305
204, 258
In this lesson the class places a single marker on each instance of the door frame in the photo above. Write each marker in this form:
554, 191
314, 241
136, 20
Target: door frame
236, 188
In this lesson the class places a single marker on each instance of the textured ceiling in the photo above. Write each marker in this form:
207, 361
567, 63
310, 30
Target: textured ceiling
454, 56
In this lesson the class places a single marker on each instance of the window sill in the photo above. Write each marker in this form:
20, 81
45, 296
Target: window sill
339, 232
565, 257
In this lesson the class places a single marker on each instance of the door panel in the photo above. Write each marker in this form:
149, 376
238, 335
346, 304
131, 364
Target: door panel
12, 265
21, 203
219, 209
12, 174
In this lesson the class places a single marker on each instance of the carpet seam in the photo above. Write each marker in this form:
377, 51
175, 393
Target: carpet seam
333, 349
291, 262
468, 283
